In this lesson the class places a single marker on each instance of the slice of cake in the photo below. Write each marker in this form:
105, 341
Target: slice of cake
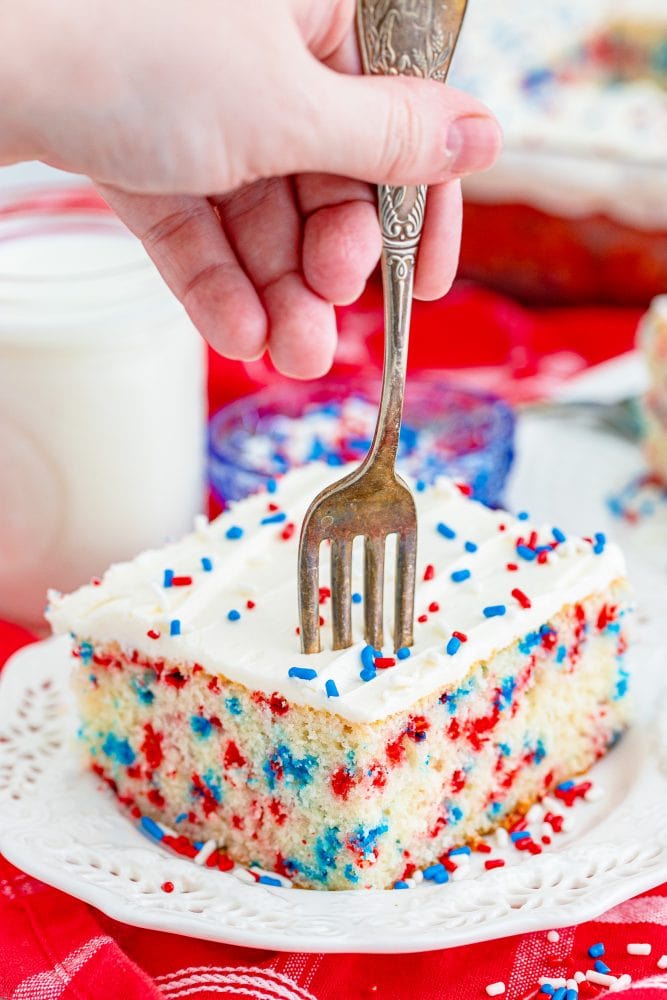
652, 337
347, 769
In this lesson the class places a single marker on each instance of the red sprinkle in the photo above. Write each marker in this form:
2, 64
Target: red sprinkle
483, 848
167, 886
494, 863
433, 607
512, 567
152, 634
250, 605
272, 507
461, 636
502, 527
95, 581
429, 572
181, 581
382, 662
465, 489
519, 596
542, 557
288, 531
422, 619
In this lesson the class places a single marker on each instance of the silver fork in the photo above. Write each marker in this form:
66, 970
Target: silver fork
415, 37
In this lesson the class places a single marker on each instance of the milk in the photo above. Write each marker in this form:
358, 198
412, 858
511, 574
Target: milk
102, 406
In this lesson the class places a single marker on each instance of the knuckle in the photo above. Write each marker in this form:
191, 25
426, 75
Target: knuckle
403, 138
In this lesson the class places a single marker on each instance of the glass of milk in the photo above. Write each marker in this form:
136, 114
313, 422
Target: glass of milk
102, 400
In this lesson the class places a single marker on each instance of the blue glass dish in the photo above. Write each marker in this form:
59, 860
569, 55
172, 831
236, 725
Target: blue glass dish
466, 435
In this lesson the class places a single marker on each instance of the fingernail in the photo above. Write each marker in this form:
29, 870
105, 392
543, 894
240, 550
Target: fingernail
473, 143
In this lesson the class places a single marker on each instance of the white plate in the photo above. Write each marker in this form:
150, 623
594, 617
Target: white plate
58, 825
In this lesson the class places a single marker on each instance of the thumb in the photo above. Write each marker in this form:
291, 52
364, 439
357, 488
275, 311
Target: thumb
398, 130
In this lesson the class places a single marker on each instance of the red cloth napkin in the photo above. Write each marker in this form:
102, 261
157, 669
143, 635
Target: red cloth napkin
53, 947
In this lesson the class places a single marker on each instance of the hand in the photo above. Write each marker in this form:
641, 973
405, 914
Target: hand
237, 140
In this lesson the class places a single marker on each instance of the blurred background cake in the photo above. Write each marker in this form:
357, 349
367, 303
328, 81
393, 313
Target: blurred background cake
653, 342
576, 208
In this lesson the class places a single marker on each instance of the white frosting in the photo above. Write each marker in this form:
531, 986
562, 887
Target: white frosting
259, 648
573, 146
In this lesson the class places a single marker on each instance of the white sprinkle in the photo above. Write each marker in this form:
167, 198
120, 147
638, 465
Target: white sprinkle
567, 824
573, 984
243, 876
621, 983
638, 948
546, 830
662, 962
535, 814
502, 837
599, 978
410, 882
460, 874
556, 982
553, 937
495, 989
594, 794
418, 876
205, 852
579, 977
551, 804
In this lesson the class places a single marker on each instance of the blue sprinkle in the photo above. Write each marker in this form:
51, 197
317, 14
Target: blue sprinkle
368, 674
523, 515
206, 564
519, 835
368, 655
200, 726
445, 530
600, 542
436, 873
565, 786
277, 518
459, 850
547, 989
596, 950
403, 653
151, 828
420, 486
560, 993
233, 615
350, 873
233, 705
526, 553
168, 577
269, 880
401, 885
459, 575
174, 627
331, 689
561, 653
571, 994
118, 749
303, 673
181, 817
356, 598
559, 536
494, 610
602, 967
453, 645
271, 486
234, 532
470, 547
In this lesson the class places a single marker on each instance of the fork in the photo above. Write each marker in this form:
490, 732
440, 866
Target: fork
415, 37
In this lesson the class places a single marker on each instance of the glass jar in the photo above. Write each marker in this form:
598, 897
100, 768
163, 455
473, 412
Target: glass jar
102, 399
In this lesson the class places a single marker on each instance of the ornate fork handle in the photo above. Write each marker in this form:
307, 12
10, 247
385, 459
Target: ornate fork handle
417, 38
